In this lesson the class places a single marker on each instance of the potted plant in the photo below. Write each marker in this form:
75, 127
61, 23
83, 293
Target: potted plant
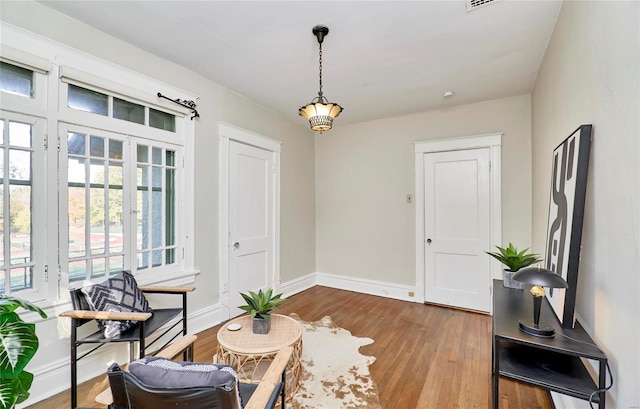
514, 260
260, 305
18, 344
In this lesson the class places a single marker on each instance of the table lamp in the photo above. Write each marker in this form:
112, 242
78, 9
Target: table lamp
538, 278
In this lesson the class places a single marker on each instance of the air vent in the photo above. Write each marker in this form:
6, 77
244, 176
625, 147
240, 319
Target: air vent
475, 4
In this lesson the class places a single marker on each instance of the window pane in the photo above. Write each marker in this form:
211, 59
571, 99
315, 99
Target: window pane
171, 256
143, 154
76, 143
21, 278
116, 264
20, 134
171, 158
20, 222
115, 149
86, 100
143, 206
157, 258
77, 227
170, 209
97, 207
97, 147
128, 111
143, 260
156, 156
77, 270
19, 165
162, 120
98, 267
16, 80
1, 132
116, 208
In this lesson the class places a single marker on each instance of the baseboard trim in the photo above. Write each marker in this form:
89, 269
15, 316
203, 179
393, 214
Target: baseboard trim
365, 286
298, 285
561, 401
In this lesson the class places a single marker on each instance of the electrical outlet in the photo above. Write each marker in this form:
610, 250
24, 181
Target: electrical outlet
409, 199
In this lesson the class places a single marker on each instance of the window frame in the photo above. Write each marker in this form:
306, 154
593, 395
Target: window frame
39, 185
53, 64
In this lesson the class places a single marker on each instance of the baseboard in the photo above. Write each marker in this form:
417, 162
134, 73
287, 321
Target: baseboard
297, 285
365, 286
561, 401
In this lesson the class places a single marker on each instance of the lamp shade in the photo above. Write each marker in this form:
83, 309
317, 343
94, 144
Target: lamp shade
320, 114
540, 276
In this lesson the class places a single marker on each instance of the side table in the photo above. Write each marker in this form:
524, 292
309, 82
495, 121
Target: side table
554, 363
251, 353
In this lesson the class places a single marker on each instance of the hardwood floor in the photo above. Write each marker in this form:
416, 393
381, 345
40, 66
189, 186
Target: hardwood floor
427, 356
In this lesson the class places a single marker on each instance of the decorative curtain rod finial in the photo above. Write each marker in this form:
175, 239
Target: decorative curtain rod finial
185, 103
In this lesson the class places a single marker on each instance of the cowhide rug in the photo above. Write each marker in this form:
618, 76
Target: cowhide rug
334, 373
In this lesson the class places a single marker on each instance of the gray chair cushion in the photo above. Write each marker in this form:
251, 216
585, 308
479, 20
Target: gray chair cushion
165, 373
120, 293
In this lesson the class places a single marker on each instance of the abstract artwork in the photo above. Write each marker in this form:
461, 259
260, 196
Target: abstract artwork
566, 211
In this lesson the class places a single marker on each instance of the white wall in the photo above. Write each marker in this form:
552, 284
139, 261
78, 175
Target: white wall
591, 75
216, 103
364, 226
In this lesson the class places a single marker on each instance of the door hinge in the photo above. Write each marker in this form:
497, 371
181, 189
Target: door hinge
490, 291
182, 253
46, 141
46, 273
489, 166
58, 143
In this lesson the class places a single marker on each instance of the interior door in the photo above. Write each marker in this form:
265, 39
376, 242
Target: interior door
457, 228
251, 221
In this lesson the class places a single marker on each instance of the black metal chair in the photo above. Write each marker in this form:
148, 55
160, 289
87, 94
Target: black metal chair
146, 332
129, 392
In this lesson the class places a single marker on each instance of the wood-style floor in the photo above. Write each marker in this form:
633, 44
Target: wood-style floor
427, 356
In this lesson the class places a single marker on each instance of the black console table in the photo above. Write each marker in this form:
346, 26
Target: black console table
550, 363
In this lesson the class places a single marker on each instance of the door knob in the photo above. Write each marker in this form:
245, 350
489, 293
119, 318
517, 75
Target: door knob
236, 245
428, 241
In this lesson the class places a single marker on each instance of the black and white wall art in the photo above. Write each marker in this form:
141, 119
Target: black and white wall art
566, 210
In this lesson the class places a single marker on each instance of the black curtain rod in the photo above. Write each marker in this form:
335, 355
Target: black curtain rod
187, 104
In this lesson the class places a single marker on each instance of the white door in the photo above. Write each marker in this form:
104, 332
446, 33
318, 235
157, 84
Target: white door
251, 221
457, 228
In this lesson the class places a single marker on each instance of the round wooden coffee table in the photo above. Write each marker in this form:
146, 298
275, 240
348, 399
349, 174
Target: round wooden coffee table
252, 353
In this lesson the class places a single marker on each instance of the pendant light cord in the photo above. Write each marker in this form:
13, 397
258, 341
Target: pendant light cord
320, 60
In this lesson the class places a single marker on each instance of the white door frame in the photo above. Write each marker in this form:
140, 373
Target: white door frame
491, 141
228, 133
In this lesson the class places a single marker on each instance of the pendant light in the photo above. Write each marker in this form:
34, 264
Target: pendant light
320, 112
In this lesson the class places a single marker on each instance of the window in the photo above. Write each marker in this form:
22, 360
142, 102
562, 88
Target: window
16, 80
95, 205
20, 253
91, 184
156, 212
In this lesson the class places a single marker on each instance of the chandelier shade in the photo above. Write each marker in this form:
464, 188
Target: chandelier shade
320, 112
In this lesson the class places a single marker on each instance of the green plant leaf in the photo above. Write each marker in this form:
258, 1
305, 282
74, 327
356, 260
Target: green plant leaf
18, 344
513, 259
261, 303
15, 390
9, 304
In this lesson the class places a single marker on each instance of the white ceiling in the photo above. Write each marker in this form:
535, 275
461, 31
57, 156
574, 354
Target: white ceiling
380, 59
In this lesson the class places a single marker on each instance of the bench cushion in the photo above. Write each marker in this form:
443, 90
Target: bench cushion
120, 293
